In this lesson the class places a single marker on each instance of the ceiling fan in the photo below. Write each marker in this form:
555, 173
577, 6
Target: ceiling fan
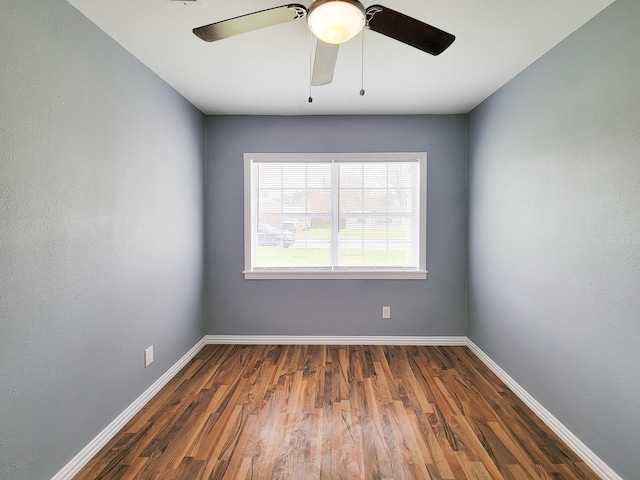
334, 22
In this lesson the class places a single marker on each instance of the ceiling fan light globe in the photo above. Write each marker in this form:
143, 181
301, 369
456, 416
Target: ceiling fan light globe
336, 21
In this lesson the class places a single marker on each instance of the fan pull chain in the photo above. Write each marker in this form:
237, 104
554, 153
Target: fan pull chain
362, 65
310, 64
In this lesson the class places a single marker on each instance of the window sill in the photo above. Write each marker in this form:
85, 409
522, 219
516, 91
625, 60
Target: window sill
335, 275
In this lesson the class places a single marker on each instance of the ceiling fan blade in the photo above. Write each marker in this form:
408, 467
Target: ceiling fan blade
324, 63
408, 30
252, 21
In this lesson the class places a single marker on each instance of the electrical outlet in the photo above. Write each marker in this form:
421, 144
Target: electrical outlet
148, 356
386, 312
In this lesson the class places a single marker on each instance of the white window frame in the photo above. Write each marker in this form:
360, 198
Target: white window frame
302, 273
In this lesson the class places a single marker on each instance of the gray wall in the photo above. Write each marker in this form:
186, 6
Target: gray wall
100, 232
554, 232
435, 306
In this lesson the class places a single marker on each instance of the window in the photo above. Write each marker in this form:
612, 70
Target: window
335, 215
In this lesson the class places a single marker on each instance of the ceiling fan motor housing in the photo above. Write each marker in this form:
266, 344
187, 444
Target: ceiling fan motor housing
336, 21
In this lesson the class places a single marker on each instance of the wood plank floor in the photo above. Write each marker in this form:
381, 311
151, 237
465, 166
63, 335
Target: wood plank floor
335, 412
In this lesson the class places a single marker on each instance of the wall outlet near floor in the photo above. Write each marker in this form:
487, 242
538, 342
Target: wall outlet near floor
148, 356
386, 312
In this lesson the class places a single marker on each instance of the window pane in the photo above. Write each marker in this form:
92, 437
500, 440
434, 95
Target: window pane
350, 240
319, 201
350, 200
316, 243
375, 175
401, 243
294, 201
270, 201
269, 176
350, 175
375, 200
290, 243
294, 175
375, 242
400, 200
319, 176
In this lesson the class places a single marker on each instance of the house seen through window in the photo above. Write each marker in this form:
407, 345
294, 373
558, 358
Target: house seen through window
335, 215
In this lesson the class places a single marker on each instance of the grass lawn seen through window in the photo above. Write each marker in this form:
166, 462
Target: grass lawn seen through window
269, 256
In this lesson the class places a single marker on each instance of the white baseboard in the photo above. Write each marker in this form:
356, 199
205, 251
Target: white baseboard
332, 340
87, 453
95, 445
584, 452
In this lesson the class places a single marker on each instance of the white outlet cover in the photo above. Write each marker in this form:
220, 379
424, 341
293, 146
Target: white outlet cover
386, 312
148, 356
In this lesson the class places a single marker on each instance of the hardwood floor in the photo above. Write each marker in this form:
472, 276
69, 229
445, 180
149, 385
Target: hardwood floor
335, 412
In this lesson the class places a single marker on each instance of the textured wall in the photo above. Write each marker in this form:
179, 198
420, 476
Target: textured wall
100, 232
435, 306
554, 232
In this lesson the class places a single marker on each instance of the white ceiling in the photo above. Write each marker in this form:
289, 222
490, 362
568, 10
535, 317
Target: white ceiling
267, 71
